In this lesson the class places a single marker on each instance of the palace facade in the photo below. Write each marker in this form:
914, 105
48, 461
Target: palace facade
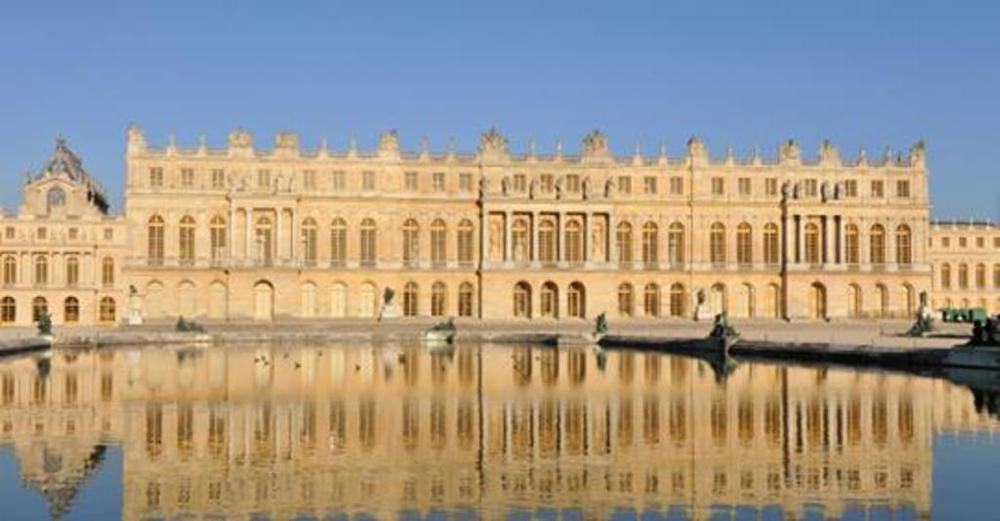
244, 233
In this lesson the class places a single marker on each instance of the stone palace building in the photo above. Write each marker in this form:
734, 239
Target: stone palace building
244, 233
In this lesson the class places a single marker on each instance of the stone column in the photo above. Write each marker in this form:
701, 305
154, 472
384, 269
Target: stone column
840, 239
484, 238
560, 224
890, 242
507, 254
828, 246
786, 239
613, 239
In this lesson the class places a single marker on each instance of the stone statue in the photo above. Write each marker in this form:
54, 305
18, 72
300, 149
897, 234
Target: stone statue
925, 319
533, 188
276, 185
496, 238
825, 192
484, 185
389, 141
505, 185
559, 188
609, 187
240, 139
595, 143
492, 142
598, 241
586, 187
45, 325
721, 327
600, 325
286, 141
701, 307
388, 309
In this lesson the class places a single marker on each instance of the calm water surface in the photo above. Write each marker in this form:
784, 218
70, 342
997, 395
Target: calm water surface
487, 432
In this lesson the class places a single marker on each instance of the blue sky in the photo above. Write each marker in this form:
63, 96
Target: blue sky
860, 73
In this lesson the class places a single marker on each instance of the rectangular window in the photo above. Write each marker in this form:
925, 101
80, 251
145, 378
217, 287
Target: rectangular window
339, 181
42, 234
410, 180
572, 183
187, 177
946, 242
263, 179
309, 180
73, 233
520, 183
109, 233
744, 186
677, 185
438, 181
850, 188
156, 177
962, 242
996, 242
903, 189
9, 232
718, 186
649, 185
546, 182
980, 242
218, 178
810, 187
878, 189
624, 185
465, 182
368, 180
771, 186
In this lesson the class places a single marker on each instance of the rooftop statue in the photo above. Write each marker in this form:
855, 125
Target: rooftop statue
240, 139
492, 142
596, 144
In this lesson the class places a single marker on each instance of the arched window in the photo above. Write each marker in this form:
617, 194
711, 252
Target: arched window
623, 242
719, 298
744, 244
812, 244
650, 244
980, 276
338, 242
852, 249
9, 270
576, 301
996, 276
217, 232
547, 241
772, 243
411, 242
39, 308
439, 299
883, 300
439, 242
368, 244
264, 234
675, 244
854, 301
677, 300
945, 282
71, 310
107, 310
186, 240
877, 244
717, 244
154, 240
573, 241
550, 300
465, 296
651, 300
519, 240
310, 235
963, 276
8, 310
465, 242
411, 294
72, 271
626, 300
41, 270
904, 245
522, 300
55, 198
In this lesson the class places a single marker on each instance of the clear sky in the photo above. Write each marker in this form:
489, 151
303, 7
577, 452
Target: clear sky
743, 74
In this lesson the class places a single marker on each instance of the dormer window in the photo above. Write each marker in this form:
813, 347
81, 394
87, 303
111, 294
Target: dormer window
56, 197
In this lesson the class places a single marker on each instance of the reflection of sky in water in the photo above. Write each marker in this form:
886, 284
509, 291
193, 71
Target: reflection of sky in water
514, 433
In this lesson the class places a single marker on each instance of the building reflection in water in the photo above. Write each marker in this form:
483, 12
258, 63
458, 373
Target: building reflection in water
393, 429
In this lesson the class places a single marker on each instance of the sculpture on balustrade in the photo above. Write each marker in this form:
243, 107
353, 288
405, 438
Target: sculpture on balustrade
533, 188
559, 188
492, 142
609, 187
505, 185
586, 187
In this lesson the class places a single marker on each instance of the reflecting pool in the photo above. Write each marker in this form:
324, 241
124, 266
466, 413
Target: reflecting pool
398, 431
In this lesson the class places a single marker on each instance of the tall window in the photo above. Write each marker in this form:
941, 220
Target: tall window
717, 244
72, 271
677, 300
264, 234
56, 197
946, 276
9, 270
812, 243
154, 240
904, 245
573, 241
338, 242
368, 238
156, 177
651, 300
547, 241
8, 310
675, 244
996, 276
623, 242
771, 244
71, 310
41, 269
877, 244
107, 272
576, 301
522, 300
650, 243
439, 242
744, 244
465, 296
980, 276
411, 242
309, 241
411, 294
852, 248
519, 240
549, 300
439, 299
626, 300
106, 310
465, 242
186, 238
39, 308
217, 232
963, 276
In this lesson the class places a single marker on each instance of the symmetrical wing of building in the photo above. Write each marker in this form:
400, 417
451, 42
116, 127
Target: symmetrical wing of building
244, 233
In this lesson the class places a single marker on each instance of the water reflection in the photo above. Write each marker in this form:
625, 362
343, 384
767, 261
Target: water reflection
384, 430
